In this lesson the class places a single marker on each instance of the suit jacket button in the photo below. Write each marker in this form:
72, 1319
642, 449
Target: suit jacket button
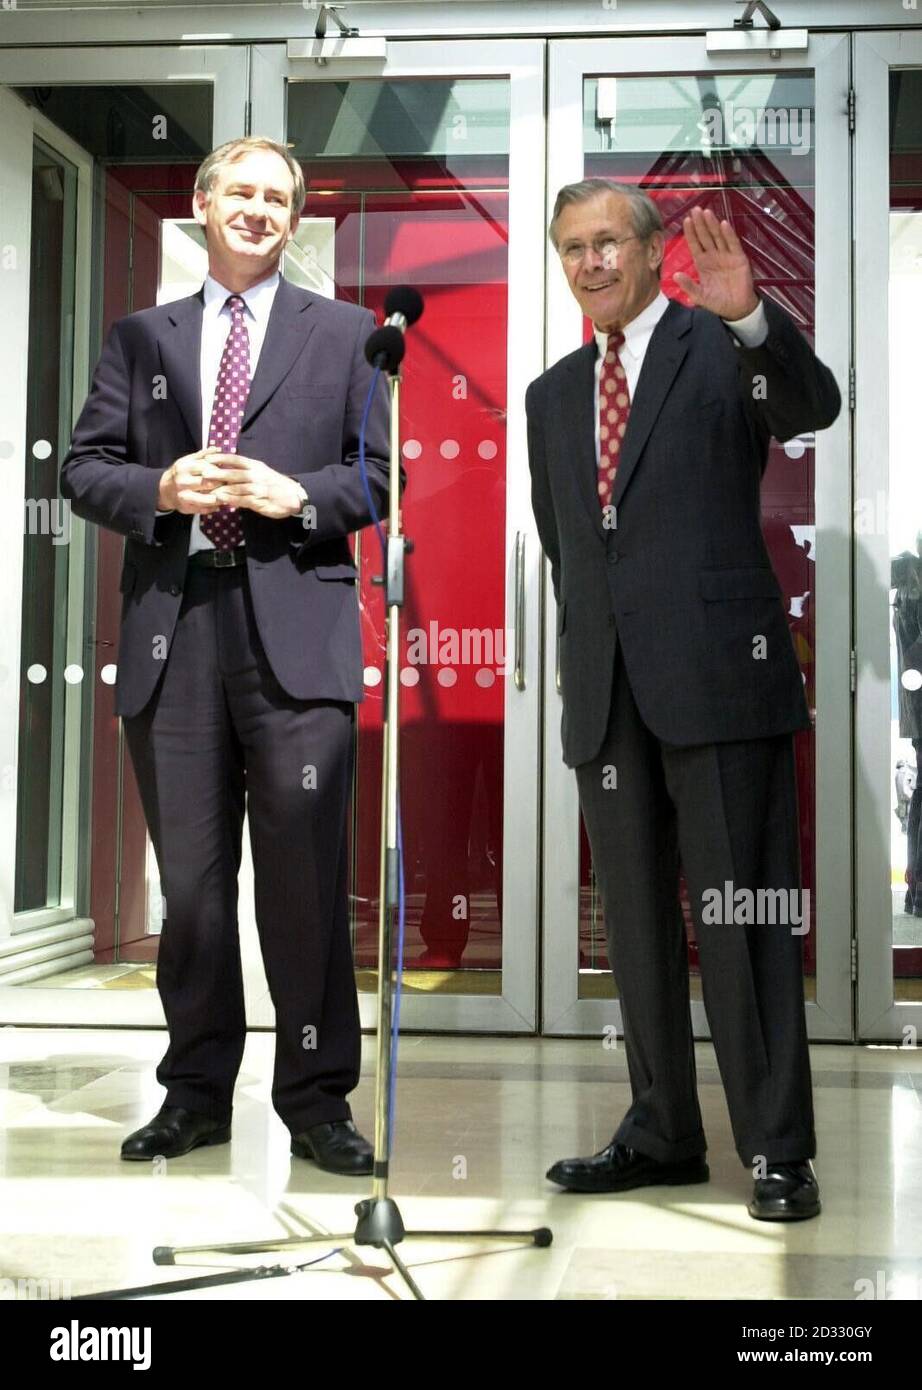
175, 589
612, 555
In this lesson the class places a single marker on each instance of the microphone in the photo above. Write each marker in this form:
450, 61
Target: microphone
386, 345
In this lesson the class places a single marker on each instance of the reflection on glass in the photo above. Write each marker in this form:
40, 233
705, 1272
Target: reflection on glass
905, 531
46, 552
415, 174
152, 121
742, 145
148, 141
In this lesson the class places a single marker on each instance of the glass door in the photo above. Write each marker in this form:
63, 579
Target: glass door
763, 141
888, 535
429, 170
113, 138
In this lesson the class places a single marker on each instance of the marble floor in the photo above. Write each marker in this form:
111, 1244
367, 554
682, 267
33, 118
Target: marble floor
479, 1120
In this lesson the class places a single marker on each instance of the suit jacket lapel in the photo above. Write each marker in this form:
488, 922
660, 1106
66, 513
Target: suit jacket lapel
180, 346
582, 365
287, 333
664, 355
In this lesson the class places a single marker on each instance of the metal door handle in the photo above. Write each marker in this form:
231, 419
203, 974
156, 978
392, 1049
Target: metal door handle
519, 610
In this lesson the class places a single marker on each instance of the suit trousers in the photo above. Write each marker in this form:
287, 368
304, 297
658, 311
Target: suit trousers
727, 813
220, 736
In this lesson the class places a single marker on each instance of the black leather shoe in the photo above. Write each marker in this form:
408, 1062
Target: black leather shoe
788, 1192
336, 1146
618, 1168
172, 1132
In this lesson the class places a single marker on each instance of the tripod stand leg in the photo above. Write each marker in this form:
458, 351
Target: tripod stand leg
541, 1236
404, 1273
166, 1254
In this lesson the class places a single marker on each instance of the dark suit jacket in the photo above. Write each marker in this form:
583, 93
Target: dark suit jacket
683, 582
302, 418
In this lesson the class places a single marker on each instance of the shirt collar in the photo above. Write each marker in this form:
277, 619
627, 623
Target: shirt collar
258, 298
638, 331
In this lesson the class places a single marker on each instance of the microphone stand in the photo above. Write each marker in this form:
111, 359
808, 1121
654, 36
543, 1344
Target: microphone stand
379, 1221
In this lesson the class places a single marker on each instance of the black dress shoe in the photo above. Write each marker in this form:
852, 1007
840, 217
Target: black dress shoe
618, 1168
788, 1192
172, 1132
336, 1146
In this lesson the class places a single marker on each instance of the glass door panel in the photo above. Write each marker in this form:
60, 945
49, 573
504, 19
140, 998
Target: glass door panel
416, 169
134, 124
746, 144
888, 537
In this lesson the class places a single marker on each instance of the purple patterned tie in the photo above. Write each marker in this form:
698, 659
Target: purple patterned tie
224, 527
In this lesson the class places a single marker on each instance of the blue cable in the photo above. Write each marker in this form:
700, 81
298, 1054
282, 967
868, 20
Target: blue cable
401, 899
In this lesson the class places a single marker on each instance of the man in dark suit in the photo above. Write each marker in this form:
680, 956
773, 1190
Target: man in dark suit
221, 438
680, 685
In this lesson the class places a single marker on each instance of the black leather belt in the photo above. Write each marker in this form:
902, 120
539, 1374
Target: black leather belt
218, 559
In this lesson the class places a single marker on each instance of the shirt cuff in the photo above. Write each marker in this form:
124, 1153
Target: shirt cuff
167, 512
751, 330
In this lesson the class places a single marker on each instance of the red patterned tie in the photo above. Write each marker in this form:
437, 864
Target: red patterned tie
614, 408
224, 527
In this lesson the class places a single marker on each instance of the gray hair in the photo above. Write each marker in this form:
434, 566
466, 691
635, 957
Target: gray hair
233, 150
645, 215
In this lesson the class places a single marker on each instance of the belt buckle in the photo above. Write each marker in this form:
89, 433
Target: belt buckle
224, 559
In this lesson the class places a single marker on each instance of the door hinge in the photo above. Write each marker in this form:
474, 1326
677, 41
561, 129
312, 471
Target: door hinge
854, 959
853, 671
851, 110
851, 388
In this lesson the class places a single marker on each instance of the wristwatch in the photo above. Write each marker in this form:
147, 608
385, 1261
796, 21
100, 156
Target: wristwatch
304, 508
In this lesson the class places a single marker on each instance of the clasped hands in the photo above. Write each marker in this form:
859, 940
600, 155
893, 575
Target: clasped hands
208, 479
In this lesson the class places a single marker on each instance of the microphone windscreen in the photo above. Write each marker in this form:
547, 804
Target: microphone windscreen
385, 347
404, 299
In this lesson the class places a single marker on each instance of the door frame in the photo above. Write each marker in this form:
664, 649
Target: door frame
880, 1016
829, 1016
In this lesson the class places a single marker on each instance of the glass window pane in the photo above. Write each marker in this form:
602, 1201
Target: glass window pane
905, 531
46, 550
415, 176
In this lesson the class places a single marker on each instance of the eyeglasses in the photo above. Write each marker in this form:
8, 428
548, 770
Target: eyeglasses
604, 246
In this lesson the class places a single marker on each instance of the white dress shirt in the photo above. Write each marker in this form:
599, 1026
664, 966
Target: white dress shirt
216, 325
751, 331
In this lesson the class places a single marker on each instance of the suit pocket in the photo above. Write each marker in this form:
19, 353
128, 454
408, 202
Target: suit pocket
561, 616
757, 582
343, 570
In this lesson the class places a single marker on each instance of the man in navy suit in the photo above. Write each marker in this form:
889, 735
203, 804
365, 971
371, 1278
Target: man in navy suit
221, 438
680, 684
